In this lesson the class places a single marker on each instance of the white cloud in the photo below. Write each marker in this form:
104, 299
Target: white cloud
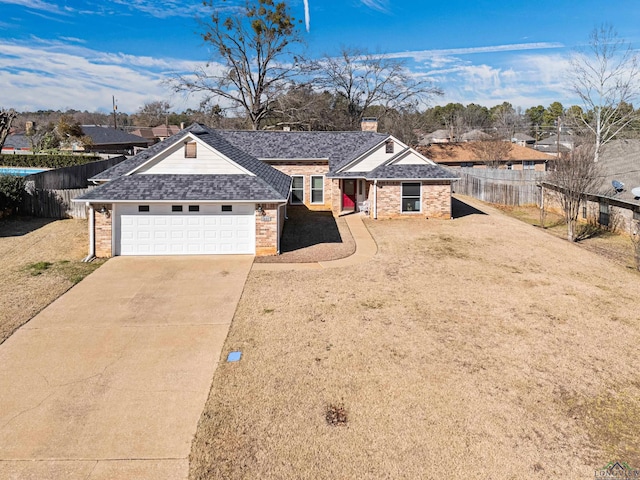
44, 75
429, 55
380, 5
35, 5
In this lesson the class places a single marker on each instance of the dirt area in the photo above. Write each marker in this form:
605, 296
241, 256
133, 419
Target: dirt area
41, 259
311, 237
479, 347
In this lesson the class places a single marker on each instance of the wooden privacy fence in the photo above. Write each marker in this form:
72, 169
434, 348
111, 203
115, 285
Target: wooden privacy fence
48, 194
54, 203
504, 187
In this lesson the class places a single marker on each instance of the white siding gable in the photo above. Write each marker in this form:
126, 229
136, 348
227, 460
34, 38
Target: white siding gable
378, 156
413, 158
207, 161
373, 159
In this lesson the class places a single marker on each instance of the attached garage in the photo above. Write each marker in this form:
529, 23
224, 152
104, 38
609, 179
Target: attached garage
184, 229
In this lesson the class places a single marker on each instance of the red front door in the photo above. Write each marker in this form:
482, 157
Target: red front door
348, 194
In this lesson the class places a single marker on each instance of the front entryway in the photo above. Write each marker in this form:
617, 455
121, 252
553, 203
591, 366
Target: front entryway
348, 195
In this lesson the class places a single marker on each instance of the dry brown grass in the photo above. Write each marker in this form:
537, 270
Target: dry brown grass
40, 261
480, 347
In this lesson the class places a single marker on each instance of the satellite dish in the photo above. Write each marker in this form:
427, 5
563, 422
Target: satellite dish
619, 186
636, 192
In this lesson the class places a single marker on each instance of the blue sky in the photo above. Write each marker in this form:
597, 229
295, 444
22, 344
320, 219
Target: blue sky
78, 53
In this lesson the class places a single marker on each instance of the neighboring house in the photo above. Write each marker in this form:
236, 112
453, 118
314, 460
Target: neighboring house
156, 134
110, 140
464, 155
16, 143
205, 191
606, 205
439, 136
552, 145
475, 135
523, 140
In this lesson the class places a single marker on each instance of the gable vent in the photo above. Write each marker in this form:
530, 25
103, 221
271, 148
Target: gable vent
190, 150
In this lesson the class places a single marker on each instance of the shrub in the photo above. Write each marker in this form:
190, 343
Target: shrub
11, 191
45, 161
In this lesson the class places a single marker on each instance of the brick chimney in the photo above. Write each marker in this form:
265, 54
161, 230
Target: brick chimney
28, 126
369, 124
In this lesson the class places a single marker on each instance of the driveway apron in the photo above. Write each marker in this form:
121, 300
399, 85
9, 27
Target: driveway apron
109, 381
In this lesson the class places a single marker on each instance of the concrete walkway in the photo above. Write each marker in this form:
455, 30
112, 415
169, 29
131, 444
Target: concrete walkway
366, 248
109, 381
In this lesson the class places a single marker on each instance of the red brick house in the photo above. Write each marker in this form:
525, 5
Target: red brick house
206, 191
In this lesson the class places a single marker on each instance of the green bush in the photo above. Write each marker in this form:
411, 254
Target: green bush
45, 161
11, 191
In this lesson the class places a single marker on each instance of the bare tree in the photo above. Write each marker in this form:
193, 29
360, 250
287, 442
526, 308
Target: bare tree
635, 241
492, 151
6, 119
605, 77
576, 174
152, 114
363, 80
254, 58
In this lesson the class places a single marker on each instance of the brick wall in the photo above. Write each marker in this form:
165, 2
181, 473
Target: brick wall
103, 229
436, 200
336, 206
267, 230
307, 169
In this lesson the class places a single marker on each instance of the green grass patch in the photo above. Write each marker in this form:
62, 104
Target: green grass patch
72, 271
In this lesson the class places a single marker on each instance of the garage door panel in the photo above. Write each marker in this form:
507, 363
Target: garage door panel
208, 232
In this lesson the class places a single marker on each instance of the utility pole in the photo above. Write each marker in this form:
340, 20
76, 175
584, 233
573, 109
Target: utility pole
115, 107
558, 139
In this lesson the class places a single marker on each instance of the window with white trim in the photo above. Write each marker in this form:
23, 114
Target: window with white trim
528, 165
411, 197
317, 189
297, 190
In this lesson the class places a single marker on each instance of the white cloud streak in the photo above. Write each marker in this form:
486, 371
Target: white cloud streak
422, 55
380, 5
307, 18
35, 5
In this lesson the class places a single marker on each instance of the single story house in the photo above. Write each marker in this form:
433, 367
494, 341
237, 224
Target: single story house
205, 191
16, 143
615, 203
106, 139
465, 155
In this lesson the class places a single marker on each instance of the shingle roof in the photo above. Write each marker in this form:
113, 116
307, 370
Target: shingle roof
107, 135
185, 188
271, 181
410, 172
464, 152
620, 160
339, 148
17, 140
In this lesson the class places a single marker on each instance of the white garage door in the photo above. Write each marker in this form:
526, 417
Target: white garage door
185, 229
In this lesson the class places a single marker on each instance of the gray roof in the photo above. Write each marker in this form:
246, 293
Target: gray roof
620, 160
553, 140
267, 184
411, 172
339, 148
17, 140
523, 137
185, 188
107, 135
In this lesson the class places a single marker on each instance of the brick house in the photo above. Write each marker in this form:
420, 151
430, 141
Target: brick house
204, 191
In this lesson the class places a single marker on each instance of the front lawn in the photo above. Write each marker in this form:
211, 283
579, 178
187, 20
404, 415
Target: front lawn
481, 347
41, 259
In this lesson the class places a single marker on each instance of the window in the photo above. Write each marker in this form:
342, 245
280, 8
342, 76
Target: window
509, 166
297, 189
190, 150
584, 211
528, 165
317, 189
143, 208
176, 208
389, 146
227, 208
410, 197
603, 219
194, 208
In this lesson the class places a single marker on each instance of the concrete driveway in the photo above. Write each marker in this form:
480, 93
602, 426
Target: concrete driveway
109, 381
